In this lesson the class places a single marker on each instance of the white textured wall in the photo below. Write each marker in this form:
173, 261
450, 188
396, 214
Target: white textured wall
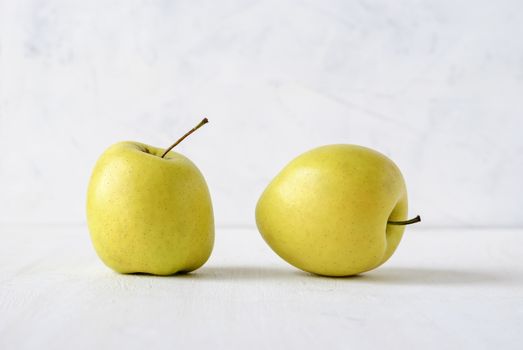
437, 86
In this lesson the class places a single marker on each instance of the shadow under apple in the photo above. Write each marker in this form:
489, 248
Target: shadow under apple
239, 273
384, 275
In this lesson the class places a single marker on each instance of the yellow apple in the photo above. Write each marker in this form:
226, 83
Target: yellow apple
336, 210
149, 210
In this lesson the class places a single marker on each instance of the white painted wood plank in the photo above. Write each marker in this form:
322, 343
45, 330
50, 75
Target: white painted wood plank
443, 289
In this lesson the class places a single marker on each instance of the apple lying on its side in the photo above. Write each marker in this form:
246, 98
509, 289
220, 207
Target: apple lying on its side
336, 210
149, 210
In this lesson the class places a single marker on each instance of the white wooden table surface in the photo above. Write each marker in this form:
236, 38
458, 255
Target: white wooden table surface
443, 289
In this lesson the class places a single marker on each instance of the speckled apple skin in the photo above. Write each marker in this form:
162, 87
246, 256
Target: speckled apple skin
326, 212
147, 214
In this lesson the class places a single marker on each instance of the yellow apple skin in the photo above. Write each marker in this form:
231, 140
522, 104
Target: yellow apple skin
147, 214
326, 212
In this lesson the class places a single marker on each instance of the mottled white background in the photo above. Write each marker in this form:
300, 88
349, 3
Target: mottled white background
437, 86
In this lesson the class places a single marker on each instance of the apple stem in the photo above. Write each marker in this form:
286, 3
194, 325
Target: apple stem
202, 123
406, 222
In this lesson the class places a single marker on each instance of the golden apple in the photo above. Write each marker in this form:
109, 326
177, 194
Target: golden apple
336, 210
149, 210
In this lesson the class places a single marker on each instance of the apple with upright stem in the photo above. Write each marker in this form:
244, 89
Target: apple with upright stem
149, 210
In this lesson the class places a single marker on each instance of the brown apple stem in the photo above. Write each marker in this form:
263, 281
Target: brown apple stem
406, 222
202, 123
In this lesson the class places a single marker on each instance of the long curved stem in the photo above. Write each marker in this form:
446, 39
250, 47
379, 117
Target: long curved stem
406, 222
202, 123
